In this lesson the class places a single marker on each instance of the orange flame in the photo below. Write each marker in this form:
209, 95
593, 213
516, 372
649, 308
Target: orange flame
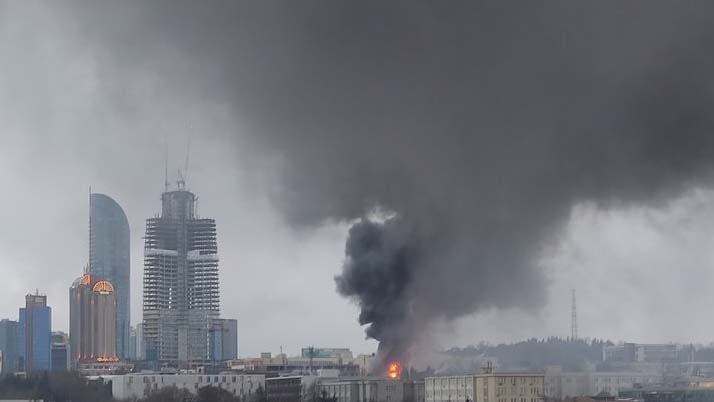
394, 370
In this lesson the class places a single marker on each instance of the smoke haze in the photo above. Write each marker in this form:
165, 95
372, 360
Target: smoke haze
477, 127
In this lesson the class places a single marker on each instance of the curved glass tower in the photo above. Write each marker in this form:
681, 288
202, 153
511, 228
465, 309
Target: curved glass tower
109, 258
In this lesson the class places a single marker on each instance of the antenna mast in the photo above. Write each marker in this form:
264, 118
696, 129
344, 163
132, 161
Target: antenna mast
573, 319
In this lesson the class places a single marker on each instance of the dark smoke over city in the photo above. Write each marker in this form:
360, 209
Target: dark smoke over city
457, 136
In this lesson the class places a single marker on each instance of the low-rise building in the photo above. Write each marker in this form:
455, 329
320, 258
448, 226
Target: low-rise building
487, 387
140, 385
653, 353
370, 389
288, 389
561, 385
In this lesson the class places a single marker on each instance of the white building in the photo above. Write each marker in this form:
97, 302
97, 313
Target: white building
568, 385
652, 353
486, 387
140, 385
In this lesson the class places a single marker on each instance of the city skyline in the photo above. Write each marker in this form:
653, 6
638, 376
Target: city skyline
554, 165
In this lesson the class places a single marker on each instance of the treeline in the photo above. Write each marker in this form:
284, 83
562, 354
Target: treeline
205, 394
72, 387
54, 387
571, 355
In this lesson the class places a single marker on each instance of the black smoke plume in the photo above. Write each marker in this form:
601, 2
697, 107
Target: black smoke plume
477, 125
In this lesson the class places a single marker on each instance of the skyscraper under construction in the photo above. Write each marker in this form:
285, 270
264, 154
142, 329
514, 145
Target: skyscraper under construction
181, 295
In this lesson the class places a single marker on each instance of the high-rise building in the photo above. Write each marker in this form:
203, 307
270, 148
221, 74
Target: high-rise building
60, 351
92, 318
140, 352
132, 344
181, 296
34, 334
109, 257
8, 346
223, 340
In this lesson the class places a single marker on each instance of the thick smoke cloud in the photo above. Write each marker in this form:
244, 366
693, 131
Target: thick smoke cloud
477, 126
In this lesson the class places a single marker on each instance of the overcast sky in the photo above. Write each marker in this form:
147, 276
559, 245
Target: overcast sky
90, 97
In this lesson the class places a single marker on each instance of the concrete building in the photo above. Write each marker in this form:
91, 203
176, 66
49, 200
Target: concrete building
92, 320
223, 340
8, 346
487, 387
648, 353
561, 385
34, 334
181, 295
109, 258
369, 389
60, 351
131, 386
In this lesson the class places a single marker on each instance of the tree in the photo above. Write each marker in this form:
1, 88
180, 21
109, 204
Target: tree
260, 395
170, 394
215, 394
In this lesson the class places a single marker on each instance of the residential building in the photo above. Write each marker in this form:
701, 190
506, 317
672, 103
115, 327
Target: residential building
34, 334
487, 387
92, 320
132, 386
8, 346
60, 351
181, 295
109, 259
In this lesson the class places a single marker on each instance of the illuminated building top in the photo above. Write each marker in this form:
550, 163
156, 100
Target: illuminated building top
103, 287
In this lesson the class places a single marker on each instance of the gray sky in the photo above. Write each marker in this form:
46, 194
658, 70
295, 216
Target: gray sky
297, 117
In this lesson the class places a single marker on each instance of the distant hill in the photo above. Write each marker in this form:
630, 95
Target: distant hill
535, 354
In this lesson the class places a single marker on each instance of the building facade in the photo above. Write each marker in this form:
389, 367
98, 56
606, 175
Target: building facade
562, 385
140, 353
288, 388
181, 294
8, 346
131, 386
369, 389
109, 258
648, 353
60, 351
223, 340
92, 320
486, 387
34, 334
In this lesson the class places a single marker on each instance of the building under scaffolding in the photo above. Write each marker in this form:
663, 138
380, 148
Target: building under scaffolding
181, 295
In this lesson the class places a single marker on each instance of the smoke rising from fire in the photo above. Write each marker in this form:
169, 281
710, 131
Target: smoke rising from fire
479, 126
